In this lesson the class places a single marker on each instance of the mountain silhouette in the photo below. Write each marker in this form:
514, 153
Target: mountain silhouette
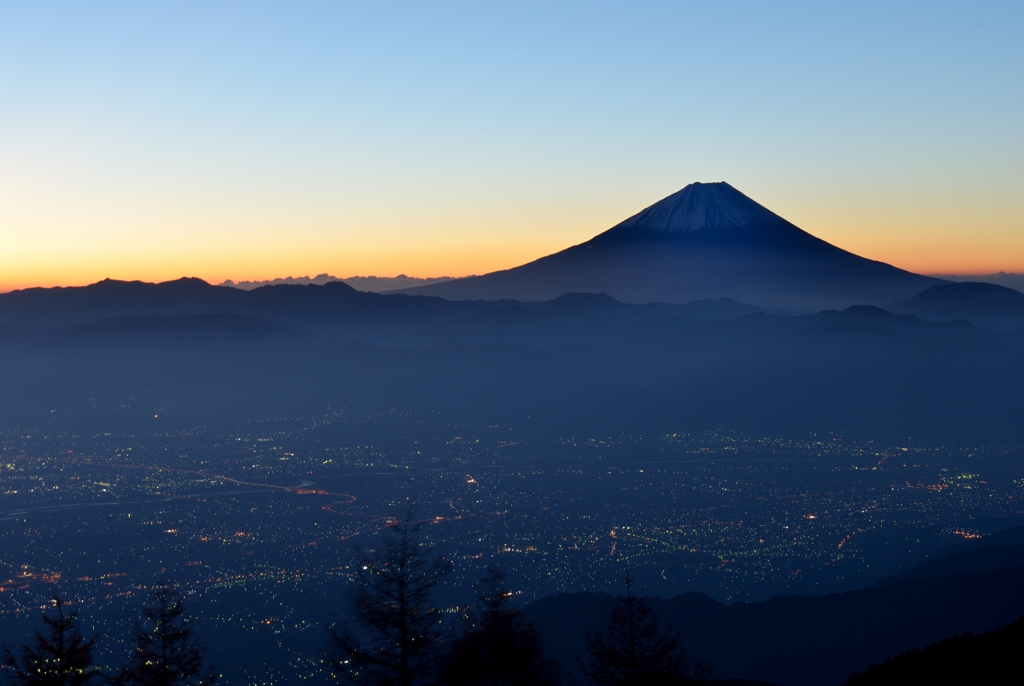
706, 241
333, 309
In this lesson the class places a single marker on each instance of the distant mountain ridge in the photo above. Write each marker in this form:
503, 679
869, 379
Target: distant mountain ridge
1009, 279
706, 241
370, 284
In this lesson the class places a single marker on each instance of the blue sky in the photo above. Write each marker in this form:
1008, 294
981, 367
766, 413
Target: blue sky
254, 140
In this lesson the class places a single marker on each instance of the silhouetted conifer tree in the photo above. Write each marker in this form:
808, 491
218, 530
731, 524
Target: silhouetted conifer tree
635, 651
391, 605
60, 657
165, 652
501, 648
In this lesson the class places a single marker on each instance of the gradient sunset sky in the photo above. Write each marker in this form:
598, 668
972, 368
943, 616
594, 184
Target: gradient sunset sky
251, 140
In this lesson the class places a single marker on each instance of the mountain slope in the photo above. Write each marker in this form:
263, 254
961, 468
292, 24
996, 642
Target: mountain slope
706, 241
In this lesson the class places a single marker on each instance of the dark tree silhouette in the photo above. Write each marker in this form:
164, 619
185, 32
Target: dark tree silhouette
165, 652
501, 648
61, 657
635, 651
391, 605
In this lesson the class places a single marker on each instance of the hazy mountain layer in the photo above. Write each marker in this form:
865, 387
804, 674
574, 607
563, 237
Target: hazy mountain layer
333, 309
1008, 279
578, 363
985, 304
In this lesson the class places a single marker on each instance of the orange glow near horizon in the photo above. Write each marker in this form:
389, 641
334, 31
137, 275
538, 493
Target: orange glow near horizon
155, 273
257, 266
46, 264
450, 234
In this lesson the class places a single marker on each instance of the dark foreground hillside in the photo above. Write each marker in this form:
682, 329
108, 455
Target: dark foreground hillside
811, 641
991, 658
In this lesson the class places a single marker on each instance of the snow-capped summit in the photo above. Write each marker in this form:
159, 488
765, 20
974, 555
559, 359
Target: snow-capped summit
698, 207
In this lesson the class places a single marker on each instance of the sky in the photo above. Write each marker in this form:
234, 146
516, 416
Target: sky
253, 140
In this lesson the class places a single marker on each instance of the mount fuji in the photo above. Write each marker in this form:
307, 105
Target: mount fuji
706, 241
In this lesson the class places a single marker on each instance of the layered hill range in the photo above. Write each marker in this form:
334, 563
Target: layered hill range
819, 640
706, 241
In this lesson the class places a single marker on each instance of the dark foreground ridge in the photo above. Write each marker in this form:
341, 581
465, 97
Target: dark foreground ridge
991, 658
706, 241
820, 641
